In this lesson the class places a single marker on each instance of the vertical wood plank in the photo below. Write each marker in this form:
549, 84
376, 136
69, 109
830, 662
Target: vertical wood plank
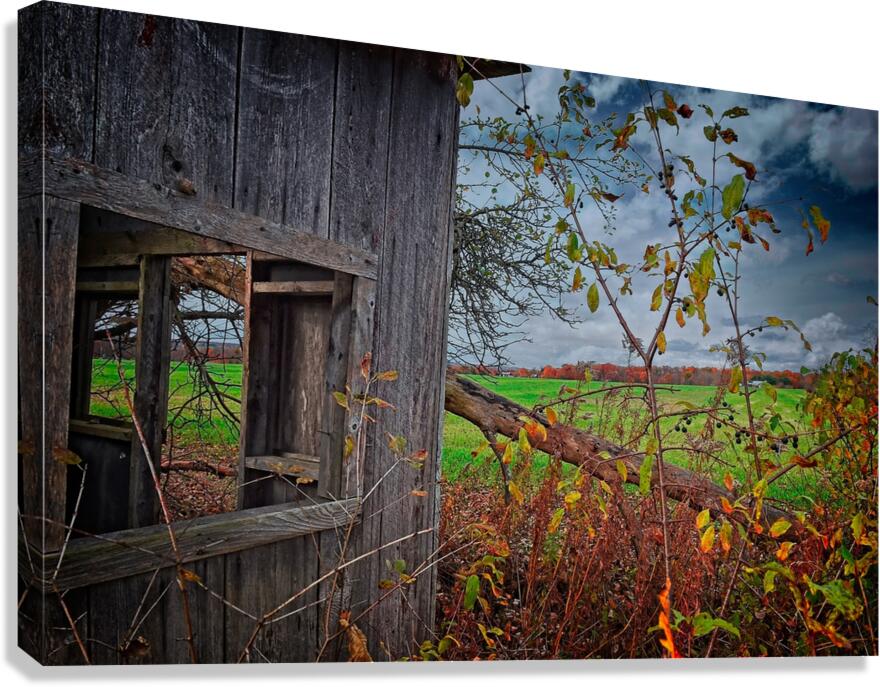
85, 314
152, 363
57, 80
166, 101
47, 239
332, 432
360, 144
363, 306
409, 337
285, 133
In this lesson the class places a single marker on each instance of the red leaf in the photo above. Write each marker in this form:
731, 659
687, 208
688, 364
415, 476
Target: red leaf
685, 111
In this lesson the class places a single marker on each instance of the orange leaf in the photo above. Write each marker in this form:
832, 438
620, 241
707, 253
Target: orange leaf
728, 481
536, 431
551, 416
667, 642
365, 365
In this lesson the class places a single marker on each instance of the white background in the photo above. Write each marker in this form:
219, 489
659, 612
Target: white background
819, 51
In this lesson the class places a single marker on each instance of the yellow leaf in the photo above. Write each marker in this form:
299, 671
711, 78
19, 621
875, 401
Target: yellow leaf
539, 164
621, 470
578, 280
341, 399
735, 378
515, 492
593, 297
703, 518
657, 298
508, 453
661, 342
555, 520
725, 535
572, 497
349, 446
707, 541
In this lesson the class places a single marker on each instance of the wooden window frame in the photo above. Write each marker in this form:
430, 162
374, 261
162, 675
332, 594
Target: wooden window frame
180, 224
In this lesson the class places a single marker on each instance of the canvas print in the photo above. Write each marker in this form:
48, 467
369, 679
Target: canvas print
331, 351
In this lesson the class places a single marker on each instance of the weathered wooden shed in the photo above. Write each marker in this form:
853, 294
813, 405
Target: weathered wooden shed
328, 165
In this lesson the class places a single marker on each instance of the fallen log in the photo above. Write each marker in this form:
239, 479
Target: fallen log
494, 414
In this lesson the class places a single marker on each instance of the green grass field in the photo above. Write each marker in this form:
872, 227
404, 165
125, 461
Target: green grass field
460, 437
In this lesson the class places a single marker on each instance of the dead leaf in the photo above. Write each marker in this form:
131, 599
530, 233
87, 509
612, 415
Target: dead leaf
357, 641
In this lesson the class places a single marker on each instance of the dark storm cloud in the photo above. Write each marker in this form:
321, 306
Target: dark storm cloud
825, 155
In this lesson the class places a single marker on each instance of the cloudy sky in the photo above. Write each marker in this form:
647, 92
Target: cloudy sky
824, 154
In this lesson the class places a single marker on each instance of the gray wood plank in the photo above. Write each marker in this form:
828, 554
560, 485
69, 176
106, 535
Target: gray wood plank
332, 432
285, 134
410, 337
57, 79
85, 314
166, 101
360, 144
47, 234
132, 552
152, 202
152, 368
295, 288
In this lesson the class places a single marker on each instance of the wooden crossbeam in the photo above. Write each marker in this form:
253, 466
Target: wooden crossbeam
295, 288
108, 190
292, 464
92, 560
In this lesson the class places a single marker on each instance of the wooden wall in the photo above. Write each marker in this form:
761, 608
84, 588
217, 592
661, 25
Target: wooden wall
351, 142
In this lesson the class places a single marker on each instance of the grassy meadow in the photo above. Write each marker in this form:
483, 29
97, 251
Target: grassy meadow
195, 420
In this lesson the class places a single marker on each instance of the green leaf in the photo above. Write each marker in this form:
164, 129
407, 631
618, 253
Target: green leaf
593, 297
710, 133
572, 249
569, 195
780, 527
703, 624
645, 474
770, 390
472, 589
732, 196
464, 89
735, 112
